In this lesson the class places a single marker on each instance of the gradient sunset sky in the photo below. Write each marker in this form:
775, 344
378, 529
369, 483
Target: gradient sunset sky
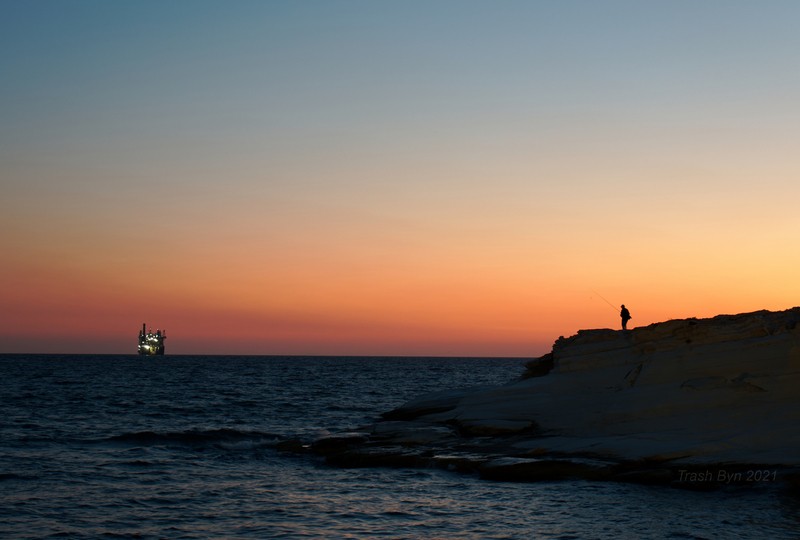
391, 177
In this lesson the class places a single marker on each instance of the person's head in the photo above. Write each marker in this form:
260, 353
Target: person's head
623, 306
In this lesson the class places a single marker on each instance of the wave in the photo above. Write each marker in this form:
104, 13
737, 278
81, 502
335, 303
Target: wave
15, 476
223, 438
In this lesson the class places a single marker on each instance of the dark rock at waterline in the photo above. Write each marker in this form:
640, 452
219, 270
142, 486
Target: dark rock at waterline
293, 446
648, 476
390, 457
510, 469
339, 442
494, 428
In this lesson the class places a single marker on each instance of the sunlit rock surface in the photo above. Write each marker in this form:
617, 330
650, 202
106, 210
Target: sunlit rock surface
683, 394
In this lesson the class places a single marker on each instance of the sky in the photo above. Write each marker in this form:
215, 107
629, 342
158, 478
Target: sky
448, 178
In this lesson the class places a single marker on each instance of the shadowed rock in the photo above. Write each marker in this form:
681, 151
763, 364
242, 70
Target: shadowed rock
539, 367
533, 470
337, 443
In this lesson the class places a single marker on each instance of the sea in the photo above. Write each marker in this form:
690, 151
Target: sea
186, 447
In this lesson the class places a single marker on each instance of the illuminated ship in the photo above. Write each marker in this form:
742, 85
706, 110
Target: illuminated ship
151, 343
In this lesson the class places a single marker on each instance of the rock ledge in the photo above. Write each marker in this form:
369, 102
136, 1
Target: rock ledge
696, 403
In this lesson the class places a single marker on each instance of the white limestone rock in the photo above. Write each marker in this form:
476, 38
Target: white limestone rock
723, 390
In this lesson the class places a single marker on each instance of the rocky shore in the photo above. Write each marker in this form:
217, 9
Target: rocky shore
696, 403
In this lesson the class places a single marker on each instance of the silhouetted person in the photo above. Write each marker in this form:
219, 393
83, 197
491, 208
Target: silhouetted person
626, 316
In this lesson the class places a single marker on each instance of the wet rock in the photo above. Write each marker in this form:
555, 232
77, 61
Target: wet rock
648, 476
393, 457
493, 427
337, 443
462, 463
792, 480
510, 469
293, 446
411, 433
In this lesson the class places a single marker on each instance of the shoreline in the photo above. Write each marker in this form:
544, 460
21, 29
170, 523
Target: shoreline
692, 403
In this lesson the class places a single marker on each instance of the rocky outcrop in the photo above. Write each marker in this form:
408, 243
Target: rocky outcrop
696, 402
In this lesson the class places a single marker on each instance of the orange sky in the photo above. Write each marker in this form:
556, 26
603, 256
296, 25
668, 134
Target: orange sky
337, 187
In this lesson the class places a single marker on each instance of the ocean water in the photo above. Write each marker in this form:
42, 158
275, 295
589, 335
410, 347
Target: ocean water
184, 447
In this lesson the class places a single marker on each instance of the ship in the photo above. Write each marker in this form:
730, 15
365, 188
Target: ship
151, 343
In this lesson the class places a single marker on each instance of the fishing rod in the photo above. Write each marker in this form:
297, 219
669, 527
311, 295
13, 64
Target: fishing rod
607, 302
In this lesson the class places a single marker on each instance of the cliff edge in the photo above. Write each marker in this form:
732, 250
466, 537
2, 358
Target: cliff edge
667, 400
